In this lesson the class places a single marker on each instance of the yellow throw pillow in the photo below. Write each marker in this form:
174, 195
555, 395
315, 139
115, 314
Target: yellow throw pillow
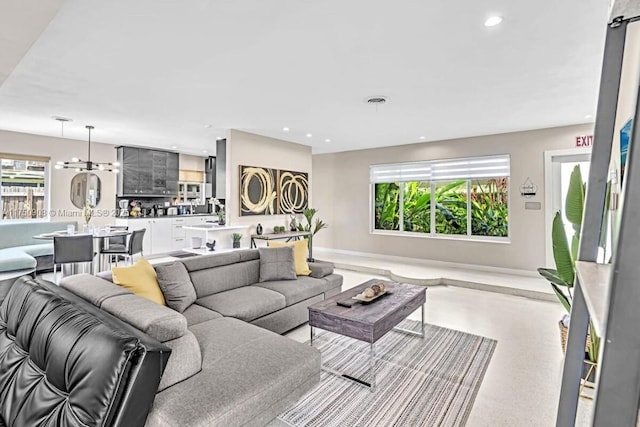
300, 254
140, 278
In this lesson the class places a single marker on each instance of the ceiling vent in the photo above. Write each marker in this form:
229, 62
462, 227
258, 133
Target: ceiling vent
376, 100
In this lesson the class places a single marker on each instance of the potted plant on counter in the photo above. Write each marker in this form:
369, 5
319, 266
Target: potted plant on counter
236, 239
562, 278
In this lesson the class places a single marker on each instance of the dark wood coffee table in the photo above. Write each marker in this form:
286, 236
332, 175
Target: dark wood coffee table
368, 322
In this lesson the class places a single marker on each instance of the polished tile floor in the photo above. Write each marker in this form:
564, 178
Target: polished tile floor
521, 386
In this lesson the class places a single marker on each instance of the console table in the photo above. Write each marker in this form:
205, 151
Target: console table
287, 236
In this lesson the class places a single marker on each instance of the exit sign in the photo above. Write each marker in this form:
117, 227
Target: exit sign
584, 141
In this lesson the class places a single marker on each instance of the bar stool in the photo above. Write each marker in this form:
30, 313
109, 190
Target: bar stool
71, 250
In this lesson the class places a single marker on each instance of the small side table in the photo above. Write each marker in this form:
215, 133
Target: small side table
287, 236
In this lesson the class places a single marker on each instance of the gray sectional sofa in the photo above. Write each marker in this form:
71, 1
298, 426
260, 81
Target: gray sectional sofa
229, 366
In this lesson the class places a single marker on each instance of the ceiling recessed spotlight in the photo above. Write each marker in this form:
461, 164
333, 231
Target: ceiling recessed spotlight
492, 21
207, 126
204, 151
588, 116
423, 137
309, 135
327, 140
285, 129
218, 138
173, 147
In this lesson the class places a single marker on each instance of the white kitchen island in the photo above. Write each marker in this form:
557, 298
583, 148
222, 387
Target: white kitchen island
220, 233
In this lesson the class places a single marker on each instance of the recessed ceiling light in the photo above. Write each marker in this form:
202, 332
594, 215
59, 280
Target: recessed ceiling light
207, 126
423, 137
327, 140
173, 147
492, 21
285, 129
218, 138
204, 151
588, 116
309, 135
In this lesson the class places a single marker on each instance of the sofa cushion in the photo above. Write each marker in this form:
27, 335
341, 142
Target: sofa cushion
21, 233
332, 282
140, 278
226, 277
320, 269
296, 291
300, 254
277, 264
248, 374
42, 249
14, 259
176, 286
158, 321
246, 303
92, 288
185, 360
197, 314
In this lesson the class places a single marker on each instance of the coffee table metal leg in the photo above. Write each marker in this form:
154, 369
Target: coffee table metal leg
409, 331
312, 334
372, 367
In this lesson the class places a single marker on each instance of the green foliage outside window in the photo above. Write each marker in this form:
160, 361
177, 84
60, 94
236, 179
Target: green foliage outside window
488, 213
387, 206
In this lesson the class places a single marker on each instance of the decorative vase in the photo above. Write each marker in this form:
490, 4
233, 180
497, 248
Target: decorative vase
236, 245
259, 230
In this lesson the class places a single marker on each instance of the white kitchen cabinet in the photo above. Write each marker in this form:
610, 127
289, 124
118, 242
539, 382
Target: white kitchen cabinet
158, 237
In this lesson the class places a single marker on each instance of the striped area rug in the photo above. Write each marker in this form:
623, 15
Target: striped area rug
420, 382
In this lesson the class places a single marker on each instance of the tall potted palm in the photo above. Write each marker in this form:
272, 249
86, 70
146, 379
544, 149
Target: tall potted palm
565, 253
311, 226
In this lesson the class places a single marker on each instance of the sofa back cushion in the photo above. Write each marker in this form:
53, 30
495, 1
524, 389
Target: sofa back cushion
157, 321
211, 274
64, 362
21, 233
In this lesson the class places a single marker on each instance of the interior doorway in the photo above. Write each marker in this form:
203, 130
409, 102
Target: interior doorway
558, 167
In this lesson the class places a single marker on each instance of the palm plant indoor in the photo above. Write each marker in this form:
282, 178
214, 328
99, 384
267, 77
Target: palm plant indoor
562, 278
311, 226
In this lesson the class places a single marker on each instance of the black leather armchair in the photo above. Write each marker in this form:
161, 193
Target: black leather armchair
64, 362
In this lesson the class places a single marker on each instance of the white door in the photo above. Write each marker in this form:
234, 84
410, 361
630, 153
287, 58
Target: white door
558, 168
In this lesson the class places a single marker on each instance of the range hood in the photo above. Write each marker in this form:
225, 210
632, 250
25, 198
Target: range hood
216, 172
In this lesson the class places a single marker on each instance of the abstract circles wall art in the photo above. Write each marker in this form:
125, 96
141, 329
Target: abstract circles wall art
293, 192
258, 192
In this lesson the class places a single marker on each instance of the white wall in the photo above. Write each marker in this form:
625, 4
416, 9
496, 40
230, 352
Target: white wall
192, 163
248, 149
59, 149
341, 192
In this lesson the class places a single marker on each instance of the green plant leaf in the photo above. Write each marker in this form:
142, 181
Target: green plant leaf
574, 202
561, 253
552, 276
564, 299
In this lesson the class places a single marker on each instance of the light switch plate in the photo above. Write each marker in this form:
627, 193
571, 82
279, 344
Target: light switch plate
533, 206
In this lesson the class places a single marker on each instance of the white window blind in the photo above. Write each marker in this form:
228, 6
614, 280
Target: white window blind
464, 168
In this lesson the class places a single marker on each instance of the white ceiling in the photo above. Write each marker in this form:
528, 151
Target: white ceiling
157, 72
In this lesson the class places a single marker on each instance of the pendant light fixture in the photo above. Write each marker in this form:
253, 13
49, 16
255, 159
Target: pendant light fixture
88, 165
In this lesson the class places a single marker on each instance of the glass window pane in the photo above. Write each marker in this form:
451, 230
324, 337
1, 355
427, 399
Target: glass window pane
451, 207
387, 206
23, 189
489, 207
417, 206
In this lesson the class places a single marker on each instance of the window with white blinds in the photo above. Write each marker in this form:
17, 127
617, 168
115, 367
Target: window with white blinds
455, 197
428, 170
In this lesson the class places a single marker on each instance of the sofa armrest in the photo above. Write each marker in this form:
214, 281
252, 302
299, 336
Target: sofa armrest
320, 269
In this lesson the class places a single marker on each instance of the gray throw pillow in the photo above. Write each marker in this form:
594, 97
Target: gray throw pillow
176, 285
277, 264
